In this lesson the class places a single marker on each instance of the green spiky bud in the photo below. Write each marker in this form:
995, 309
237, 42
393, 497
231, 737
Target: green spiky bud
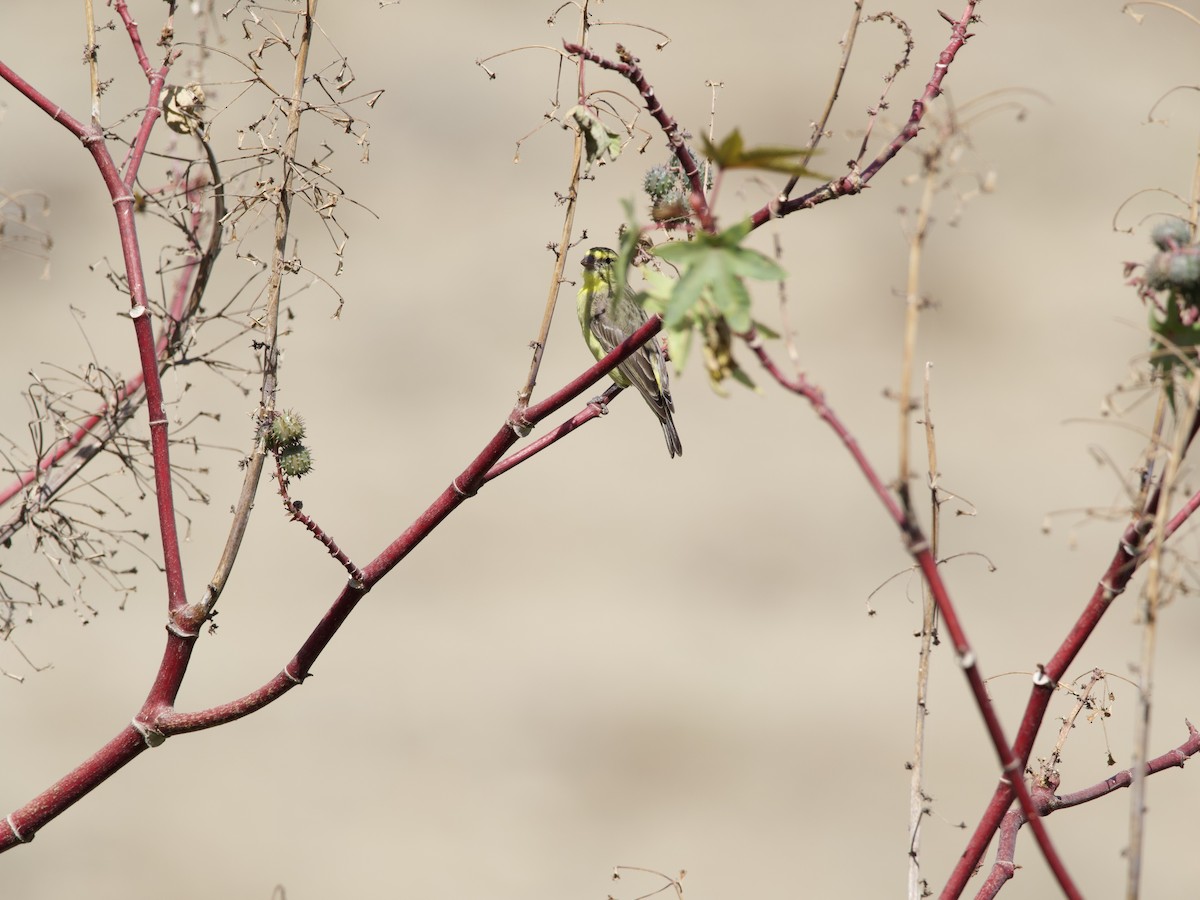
286, 428
296, 461
659, 181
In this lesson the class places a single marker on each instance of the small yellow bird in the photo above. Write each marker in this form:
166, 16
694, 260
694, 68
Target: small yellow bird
607, 321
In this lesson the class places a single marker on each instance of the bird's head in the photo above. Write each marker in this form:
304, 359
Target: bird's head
598, 267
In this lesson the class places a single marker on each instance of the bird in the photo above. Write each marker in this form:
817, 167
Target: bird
607, 321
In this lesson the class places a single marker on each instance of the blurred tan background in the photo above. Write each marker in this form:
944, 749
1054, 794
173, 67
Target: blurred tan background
528, 701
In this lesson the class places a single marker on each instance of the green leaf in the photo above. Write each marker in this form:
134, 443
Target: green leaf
625, 253
600, 142
728, 152
709, 298
713, 266
658, 290
752, 264
733, 300
732, 153
679, 345
739, 375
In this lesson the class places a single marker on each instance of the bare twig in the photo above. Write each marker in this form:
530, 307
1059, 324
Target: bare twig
916, 790
564, 242
818, 130
854, 181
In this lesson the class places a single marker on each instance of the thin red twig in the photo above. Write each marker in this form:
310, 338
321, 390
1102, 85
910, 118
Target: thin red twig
855, 180
628, 67
298, 515
591, 411
1048, 801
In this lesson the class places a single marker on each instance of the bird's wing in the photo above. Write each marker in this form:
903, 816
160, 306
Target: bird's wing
646, 369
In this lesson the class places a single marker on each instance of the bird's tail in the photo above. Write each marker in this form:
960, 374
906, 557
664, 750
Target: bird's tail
674, 447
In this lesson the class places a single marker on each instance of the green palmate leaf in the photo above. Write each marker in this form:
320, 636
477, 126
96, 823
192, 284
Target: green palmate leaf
658, 290
600, 143
732, 153
712, 266
654, 300
710, 298
679, 345
739, 375
727, 153
733, 300
698, 274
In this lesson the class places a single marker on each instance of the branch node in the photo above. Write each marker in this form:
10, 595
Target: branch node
12, 826
152, 736
462, 492
292, 678
176, 630
519, 422
1041, 679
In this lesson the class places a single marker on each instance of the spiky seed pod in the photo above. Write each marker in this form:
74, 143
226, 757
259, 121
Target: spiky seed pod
286, 428
659, 182
296, 461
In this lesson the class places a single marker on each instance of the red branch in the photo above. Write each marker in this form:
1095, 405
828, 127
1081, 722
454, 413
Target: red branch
594, 409
181, 634
460, 489
918, 547
1171, 759
1116, 578
120, 190
1125, 561
157, 721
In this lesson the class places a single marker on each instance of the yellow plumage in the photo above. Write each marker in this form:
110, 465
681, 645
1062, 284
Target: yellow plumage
607, 321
